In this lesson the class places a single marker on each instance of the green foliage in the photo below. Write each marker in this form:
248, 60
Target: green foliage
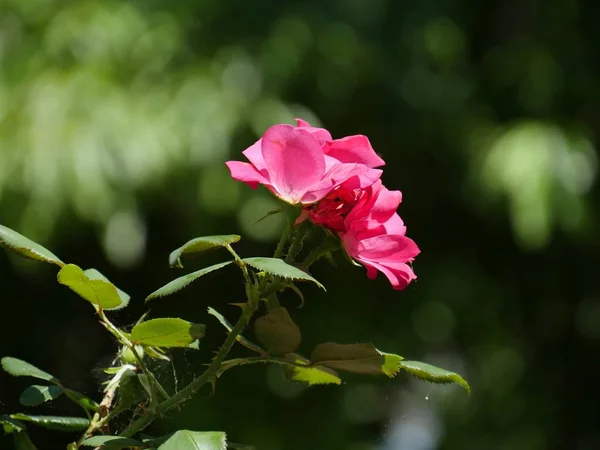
85, 402
95, 290
241, 339
23, 442
311, 375
357, 358
182, 282
57, 423
433, 374
277, 332
111, 442
167, 332
23, 246
279, 268
93, 274
200, 245
19, 368
195, 440
10, 425
36, 395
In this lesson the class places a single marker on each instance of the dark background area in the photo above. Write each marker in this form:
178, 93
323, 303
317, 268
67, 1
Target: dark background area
116, 119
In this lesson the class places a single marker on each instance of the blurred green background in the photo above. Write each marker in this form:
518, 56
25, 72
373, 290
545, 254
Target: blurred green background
115, 121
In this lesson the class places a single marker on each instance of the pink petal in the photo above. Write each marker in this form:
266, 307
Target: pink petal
294, 159
321, 134
359, 176
395, 225
399, 274
247, 173
254, 155
385, 205
389, 248
354, 149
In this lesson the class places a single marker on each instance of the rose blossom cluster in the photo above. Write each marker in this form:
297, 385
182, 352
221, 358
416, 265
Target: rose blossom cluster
338, 185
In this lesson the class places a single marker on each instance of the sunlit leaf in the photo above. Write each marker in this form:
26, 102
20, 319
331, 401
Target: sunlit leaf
23, 246
357, 358
199, 245
93, 274
241, 339
83, 401
98, 292
278, 267
181, 282
433, 374
195, 440
308, 374
10, 425
36, 395
111, 442
277, 332
23, 442
57, 423
19, 368
167, 332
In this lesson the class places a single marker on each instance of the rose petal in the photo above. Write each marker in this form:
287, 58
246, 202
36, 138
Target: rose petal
245, 172
321, 134
294, 159
354, 149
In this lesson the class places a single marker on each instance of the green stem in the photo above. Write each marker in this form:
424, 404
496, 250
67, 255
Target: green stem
327, 244
299, 236
191, 388
284, 238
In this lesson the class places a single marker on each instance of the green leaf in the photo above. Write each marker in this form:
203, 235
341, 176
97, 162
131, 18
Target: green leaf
23, 442
83, 401
241, 339
357, 358
167, 332
98, 292
277, 332
181, 282
195, 440
23, 246
433, 374
36, 395
58, 423
93, 274
111, 442
19, 368
130, 392
200, 245
280, 268
10, 425
310, 375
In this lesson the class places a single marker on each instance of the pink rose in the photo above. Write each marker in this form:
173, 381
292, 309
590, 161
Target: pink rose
302, 164
370, 229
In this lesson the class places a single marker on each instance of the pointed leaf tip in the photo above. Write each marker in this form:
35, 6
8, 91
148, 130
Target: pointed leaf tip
19, 368
199, 245
280, 268
57, 423
357, 358
182, 282
25, 247
433, 374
